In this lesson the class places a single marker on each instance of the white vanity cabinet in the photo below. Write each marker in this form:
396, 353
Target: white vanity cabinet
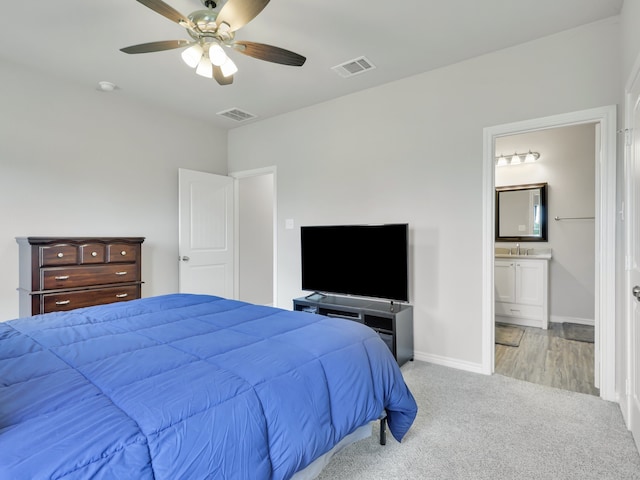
521, 291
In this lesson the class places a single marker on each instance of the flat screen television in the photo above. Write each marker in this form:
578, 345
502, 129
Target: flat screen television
361, 260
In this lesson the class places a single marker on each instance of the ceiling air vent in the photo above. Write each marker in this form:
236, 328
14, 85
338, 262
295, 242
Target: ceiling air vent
353, 67
236, 115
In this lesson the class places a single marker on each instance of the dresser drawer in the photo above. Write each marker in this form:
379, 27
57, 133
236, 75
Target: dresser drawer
122, 252
62, 254
71, 277
58, 302
92, 253
518, 310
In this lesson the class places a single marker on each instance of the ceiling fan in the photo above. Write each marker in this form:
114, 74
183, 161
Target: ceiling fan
211, 31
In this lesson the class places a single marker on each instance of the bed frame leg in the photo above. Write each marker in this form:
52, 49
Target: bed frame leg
383, 429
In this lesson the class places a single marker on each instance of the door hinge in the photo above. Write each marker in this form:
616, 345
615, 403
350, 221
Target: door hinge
627, 135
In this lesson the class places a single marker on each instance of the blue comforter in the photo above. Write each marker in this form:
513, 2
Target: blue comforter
187, 387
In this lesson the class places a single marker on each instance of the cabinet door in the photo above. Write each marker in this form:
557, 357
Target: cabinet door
529, 283
504, 281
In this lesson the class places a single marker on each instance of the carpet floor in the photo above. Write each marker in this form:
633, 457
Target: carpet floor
476, 427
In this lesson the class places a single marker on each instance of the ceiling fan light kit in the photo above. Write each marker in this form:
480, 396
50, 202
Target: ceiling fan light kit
192, 55
205, 67
228, 68
217, 55
211, 31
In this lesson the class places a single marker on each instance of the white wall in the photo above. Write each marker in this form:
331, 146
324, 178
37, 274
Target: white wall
411, 151
75, 161
567, 165
630, 18
255, 240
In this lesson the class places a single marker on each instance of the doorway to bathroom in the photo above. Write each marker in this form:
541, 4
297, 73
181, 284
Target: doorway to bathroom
602, 120
546, 334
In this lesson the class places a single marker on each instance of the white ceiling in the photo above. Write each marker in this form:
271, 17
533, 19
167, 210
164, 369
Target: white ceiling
79, 41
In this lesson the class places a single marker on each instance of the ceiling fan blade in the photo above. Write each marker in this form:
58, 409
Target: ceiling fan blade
220, 78
270, 53
237, 13
156, 46
167, 11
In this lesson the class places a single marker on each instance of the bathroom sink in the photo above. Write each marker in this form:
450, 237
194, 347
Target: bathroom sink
503, 252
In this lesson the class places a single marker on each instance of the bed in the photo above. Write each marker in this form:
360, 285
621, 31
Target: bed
187, 386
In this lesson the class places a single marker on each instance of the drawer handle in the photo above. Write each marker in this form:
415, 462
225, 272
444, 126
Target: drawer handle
94, 254
123, 252
62, 277
122, 295
121, 273
63, 302
60, 255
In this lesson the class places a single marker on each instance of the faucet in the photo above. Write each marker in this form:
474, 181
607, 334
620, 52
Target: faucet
517, 249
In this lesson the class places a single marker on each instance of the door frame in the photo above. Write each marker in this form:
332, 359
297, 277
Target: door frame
605, 225
254, 173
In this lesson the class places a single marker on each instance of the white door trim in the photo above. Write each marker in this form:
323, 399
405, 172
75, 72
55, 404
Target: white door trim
253, 173
605, 307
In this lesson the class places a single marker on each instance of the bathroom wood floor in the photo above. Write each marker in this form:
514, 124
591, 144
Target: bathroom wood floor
545, 357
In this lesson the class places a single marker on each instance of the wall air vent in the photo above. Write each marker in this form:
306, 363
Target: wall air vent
353, 67
236, 115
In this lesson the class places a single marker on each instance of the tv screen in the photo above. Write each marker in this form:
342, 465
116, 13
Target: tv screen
360, 260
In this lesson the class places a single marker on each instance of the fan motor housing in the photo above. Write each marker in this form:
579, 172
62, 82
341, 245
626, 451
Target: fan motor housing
205, 20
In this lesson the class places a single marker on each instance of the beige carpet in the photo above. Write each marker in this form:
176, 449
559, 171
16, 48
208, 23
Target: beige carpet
491, 427
508, 335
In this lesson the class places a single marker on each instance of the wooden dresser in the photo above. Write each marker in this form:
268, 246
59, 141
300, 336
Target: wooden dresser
59, 274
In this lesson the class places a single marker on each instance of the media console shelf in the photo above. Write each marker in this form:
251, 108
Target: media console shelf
395, 326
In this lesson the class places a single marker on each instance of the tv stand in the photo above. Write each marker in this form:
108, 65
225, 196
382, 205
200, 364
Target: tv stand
393, 322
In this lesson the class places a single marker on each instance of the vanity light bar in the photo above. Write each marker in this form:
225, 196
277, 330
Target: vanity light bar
517, 158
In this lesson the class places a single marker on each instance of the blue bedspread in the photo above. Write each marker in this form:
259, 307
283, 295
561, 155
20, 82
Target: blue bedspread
187, 387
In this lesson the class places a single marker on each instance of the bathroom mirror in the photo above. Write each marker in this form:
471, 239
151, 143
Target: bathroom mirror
521, 213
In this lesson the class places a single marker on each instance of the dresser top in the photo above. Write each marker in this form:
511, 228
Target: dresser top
77, 240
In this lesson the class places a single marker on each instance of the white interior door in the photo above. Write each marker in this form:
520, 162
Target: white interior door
206, 240
633, 295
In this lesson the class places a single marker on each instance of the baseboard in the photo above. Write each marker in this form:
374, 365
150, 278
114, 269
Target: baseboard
563, 319
448, 362
523, 322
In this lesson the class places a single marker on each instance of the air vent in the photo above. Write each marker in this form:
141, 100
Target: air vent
353, 67
237, 115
